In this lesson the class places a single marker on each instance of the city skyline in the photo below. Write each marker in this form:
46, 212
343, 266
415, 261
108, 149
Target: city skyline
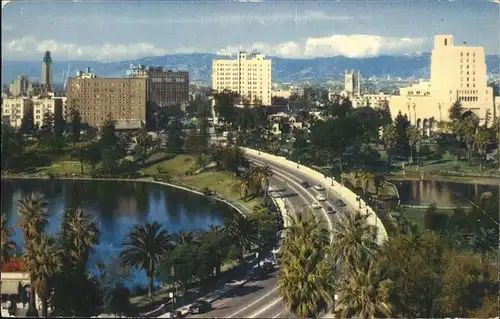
106, 31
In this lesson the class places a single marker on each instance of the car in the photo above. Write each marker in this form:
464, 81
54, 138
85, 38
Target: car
258, 273
321, 198
330, 210
200, 306
340, 203
305, 184
316, 205
319, 187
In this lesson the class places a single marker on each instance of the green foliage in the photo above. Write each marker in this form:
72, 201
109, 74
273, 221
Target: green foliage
435, 221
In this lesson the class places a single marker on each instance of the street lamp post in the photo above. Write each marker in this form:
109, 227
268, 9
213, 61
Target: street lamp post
171, 295
298, 163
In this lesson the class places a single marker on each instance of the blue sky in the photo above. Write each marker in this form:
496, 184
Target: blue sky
117, 30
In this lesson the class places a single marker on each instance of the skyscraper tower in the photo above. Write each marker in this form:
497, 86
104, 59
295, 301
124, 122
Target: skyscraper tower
46, 76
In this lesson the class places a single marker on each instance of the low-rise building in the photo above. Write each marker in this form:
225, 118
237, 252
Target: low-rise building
46, 104
14, 109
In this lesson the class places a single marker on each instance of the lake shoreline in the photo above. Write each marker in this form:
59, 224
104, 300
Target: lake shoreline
449, 179
142, 180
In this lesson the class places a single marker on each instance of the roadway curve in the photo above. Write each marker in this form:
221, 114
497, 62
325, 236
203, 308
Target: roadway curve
260, 299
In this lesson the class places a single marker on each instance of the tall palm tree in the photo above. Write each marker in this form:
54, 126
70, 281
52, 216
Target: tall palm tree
414, 138
354, 241
306, 280
484, 241
364, 293
184, 238
7, 244
390, 139
241, 232
43, 260
145, 246
34, 216
482, 139
79, 235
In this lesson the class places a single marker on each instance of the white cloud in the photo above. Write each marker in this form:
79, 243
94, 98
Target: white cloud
353, 46
106, 52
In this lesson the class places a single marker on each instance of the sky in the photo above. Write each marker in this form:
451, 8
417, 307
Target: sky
115, 30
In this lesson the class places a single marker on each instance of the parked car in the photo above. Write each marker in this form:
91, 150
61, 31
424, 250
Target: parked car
305, 184
320, 197
319, 187
340, 203
330, 210
315, 205
200, 306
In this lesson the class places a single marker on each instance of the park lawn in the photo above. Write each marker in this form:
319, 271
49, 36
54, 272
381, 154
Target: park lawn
175, 165
416, 215
224, 184
64, 167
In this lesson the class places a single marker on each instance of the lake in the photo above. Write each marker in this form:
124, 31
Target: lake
117, 207
444, 194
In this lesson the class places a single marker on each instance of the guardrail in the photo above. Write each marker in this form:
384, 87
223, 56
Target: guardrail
343, 192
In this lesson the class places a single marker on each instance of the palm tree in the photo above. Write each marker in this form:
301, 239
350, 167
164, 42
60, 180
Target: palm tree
378, 182
364, 293
145, 246
244, 187
484, 241
482, 139
43, 260
306, 280
79, 235
7, 244
354, 241
414, 138
307, 228
184, 238
34, 216
389, 138
241, 232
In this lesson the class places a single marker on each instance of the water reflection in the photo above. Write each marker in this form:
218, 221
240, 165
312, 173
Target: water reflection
117, 206
444, 194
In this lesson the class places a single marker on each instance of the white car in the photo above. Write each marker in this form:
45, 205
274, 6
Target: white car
315, 205
319, 187
320, 198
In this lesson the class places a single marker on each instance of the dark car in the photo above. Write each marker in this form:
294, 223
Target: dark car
330, 210
305, 184
200, 306
340, 203
258, 273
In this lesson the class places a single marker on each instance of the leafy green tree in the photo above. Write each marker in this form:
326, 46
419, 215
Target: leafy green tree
144, 248
389, 139
214, 249
175, 136
433, 220
402, 124
75, 126
11, 144
266, 227
181, 265
455, 111
484, 241
414, 262
224, 106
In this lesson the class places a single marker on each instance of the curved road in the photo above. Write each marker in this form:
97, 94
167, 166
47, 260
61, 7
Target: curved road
260, 298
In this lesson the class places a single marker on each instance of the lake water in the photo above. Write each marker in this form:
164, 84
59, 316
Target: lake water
118, 207
444, 194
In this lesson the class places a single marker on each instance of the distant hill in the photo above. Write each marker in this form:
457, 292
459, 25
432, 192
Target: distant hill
284, 70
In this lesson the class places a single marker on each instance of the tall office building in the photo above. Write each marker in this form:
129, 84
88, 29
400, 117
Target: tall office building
352, 87
249, 75
458, 73
165, 87
46, 78
123, 100
20, 86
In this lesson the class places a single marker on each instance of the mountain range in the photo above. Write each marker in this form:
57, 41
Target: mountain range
284, 70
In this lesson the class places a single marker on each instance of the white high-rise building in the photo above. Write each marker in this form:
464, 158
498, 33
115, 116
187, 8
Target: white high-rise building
352, 87
249, 75
457, 73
